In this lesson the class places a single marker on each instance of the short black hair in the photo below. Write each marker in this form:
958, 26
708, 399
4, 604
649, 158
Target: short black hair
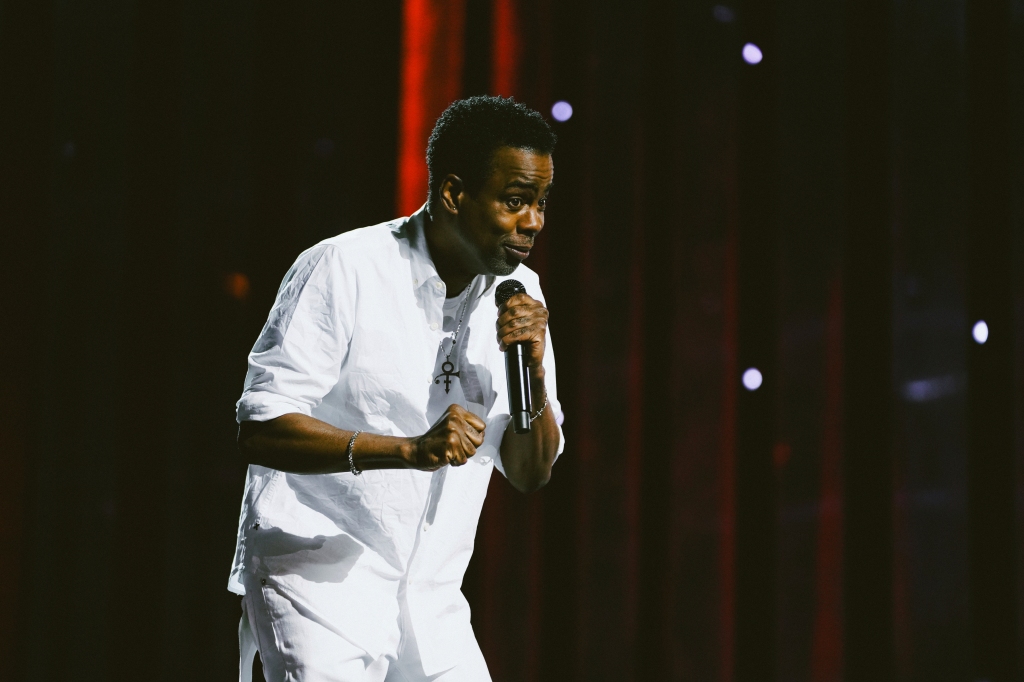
470, 130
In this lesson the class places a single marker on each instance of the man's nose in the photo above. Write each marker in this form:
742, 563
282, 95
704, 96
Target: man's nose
532, 222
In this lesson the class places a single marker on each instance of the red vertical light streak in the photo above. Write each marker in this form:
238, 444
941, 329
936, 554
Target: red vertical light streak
635, 403
588, 448
730, 401
727, 510
432, 55
503, 70
827, 645
730, 398
679, 456
535, 595
507, 48
494, 540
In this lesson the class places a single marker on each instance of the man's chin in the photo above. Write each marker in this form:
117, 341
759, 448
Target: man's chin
502, 267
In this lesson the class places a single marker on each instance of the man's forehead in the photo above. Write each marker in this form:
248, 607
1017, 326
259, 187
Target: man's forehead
524, 168
528, 181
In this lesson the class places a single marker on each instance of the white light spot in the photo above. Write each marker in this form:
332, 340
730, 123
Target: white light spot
752, 379
980, 331
561, 111
752, 54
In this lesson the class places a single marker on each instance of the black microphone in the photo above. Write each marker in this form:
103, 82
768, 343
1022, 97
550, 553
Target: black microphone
516, 371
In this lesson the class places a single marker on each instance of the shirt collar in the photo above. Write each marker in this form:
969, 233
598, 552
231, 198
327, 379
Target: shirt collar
422, 265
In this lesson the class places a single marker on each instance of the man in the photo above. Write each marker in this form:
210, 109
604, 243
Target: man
375, 407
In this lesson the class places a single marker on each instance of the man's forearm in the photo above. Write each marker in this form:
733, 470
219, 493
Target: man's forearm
528, 457
299, 444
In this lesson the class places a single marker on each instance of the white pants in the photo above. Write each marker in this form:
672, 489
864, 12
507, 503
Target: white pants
294, 648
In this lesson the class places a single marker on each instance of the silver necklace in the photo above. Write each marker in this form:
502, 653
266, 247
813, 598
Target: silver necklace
447, 368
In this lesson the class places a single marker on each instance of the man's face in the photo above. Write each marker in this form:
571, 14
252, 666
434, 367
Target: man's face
499, 223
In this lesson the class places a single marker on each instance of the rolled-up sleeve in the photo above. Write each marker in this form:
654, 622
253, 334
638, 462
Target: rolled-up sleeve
551, 384
297, 358
551, 381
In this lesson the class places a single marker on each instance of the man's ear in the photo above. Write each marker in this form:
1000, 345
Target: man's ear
451, 193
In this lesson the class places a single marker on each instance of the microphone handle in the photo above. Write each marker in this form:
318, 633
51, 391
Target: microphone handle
519, 399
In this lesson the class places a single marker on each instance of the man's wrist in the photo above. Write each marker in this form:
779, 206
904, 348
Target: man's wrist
537, 388
407, 452
374, 451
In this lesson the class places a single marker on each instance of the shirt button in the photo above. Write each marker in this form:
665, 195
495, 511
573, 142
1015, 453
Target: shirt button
415, 282
433, 325
263, 581
439, 285
426, 527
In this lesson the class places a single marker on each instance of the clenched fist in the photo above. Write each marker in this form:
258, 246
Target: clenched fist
452, 440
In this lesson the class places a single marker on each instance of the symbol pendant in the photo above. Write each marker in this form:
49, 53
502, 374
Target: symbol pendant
447, 371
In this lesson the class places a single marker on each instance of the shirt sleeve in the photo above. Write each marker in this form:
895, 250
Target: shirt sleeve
551, 381
297, 358
551, 385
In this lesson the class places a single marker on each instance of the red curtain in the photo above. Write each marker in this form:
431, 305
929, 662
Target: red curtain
431, 72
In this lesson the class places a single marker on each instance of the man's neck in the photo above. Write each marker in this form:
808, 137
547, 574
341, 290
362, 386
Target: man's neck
443, 246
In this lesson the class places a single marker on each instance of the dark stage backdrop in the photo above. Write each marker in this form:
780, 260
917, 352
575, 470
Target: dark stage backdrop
838, 216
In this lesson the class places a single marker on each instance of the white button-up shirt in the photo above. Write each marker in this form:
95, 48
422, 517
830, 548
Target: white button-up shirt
356, 339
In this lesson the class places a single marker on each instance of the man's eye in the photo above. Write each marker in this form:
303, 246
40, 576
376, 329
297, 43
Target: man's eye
515, 202
543, 204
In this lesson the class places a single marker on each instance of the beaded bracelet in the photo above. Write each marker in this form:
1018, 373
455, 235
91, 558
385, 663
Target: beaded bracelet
351, 462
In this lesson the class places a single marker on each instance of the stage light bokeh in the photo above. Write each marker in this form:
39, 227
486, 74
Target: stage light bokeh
561, 111
752, 54
752, 379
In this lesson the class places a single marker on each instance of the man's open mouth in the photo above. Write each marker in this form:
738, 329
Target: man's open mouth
518, 251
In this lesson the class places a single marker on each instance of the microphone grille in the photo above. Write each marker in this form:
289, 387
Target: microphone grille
507, 290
